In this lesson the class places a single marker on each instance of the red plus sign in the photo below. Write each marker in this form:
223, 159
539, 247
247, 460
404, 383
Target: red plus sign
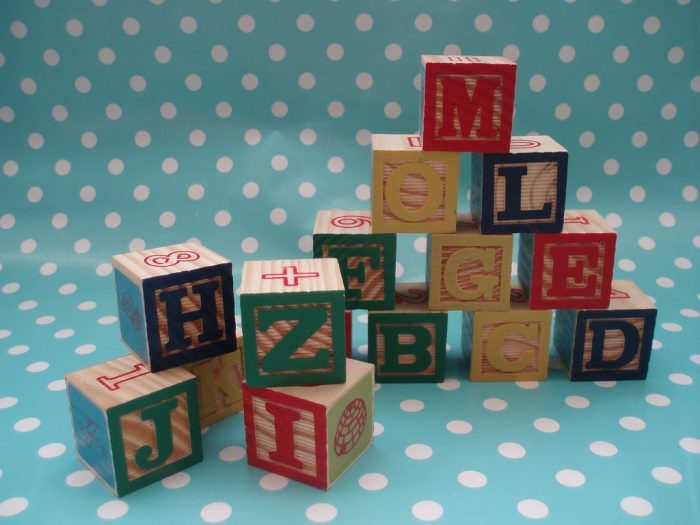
290, 275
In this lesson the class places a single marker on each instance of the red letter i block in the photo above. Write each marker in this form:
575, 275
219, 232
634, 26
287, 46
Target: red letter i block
367, 260
133, 427
468, 270
293, 317
412, 190
311, 434
610, 343
175, 304
467, 103
571, 269
522, 191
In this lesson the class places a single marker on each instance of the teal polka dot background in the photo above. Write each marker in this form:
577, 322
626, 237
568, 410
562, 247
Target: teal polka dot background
126, 124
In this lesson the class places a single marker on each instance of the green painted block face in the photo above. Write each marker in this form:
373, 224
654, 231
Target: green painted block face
408, 347
367, 264
350, 427
295, 338
155, 436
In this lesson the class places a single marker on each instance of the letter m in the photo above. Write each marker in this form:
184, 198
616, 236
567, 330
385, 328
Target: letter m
475, 110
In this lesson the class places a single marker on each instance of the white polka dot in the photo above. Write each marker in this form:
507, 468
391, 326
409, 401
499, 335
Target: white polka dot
27, 424
667, 475
373, 481
668, 111
363, 137
113, 510
449, 385
13, 506
665, 282
252, 137
176, 481
169, 165
18, 349
540, 23
412, 405
603, 448
113, 220
28, 305
690, 444
577, 401
277, 52
249, 81
57, 386
305, 23
85, 349
427, 510
621, 54
35, 140
188, 25
392, 110
472, 479
567, 53
79, 478
18, 29
305, 243
336, 109
74, 27
363, 192
527, 385
28, 86
667, 219
48, 269
638, 194
7, 114
511, 450
103, 269
611, 167
614, 220
675, 54
647, 243
335, 51
115, 166
671, 327
636, 506
195, 192
652, 25
533, 509
546, 425
626, 265
113, 111
321, 512
7, 402
393, 52
458, 426
163, 54
570, 478
511, 52
658, 400
64, 333
232, 453
307, 80
51, 57
483, 23
645, 83
28, 246
690, 193
197, 138
691, 139
586, 139
418, 451
82, 246
141, 192
537, 83
495, 404
168, 110
222, 218
250, 190
249, 245
639, 139
690, 313
273, 482
364, 22
680, 379
10, 288
278, 216
584, 194
616, 111
632, 423
167, 219
52, 450
307, 190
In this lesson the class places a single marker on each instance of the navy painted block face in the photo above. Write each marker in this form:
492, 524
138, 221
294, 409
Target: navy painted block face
522, 193
189, 316
612, 344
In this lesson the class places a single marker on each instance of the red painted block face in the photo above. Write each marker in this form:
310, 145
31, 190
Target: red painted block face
572, 269
467, 103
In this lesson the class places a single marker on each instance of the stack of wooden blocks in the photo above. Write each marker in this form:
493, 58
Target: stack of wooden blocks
138, 418
603, 328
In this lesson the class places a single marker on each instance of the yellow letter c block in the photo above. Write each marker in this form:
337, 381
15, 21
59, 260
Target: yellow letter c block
495, 343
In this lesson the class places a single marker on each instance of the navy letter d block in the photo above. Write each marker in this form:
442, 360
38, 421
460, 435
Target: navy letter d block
175, 304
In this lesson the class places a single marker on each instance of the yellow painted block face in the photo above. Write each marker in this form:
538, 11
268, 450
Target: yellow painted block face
412, 190
469, 271
510, 346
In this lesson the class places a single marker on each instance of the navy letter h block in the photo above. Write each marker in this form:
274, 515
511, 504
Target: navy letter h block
175, 304
522, 191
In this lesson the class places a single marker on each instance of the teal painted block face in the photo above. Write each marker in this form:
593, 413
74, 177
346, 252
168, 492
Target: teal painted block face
367, 261
294, 337
132, 320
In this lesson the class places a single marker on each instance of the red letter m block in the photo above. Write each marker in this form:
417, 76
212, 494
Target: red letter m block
467, 103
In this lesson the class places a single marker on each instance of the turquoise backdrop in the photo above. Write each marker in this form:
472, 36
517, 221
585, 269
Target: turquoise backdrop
128, 123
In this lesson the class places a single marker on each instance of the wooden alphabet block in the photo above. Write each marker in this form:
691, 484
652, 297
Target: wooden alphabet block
311, 434
468, 270
408, 344
467, 103
293, 317
175, 304
133, 427
606, 344
571, 269
412, 190
522, 191
507, 346
367, 260
219, 384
